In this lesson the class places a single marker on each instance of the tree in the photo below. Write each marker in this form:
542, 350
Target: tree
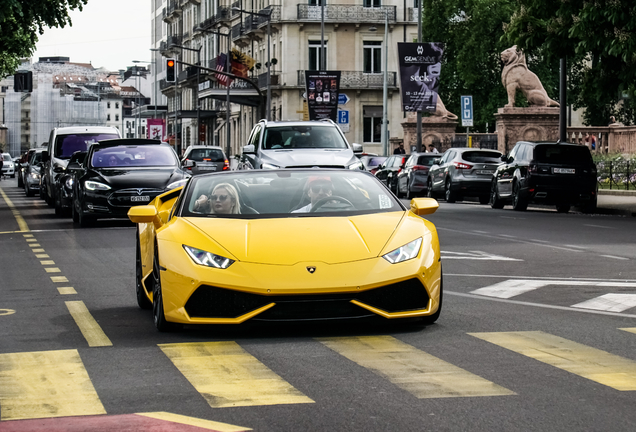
596, 37
473, 34
22, 20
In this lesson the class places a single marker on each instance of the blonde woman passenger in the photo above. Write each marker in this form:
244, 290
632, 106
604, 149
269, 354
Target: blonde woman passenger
224, 199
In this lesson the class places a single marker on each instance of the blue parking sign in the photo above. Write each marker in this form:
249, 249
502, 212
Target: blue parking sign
467, 110
343, 116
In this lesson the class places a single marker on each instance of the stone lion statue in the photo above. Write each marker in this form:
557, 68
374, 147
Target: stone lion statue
516, 76
441, 111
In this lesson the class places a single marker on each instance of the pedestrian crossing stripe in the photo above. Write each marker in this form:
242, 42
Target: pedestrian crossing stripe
419, 373
591, 363
228, 376
46, 384
514, 287
629, 329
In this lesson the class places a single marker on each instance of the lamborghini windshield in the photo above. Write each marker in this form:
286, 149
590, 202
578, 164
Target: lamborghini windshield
288, 193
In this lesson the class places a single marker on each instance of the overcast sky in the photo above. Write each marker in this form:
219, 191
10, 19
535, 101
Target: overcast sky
107, 33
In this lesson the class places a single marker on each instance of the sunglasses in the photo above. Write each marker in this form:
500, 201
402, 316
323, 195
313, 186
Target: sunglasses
318, 188
221, 198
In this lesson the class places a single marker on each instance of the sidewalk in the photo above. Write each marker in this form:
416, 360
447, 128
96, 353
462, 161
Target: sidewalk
616, 201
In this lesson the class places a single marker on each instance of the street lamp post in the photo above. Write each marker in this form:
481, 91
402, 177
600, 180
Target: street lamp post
269, 57
196, 98
385, 141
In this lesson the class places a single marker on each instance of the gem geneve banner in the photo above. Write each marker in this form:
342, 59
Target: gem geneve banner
420, 67
322, 88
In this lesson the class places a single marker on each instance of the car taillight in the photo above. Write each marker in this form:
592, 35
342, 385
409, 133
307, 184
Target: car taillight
419, 168
226, 165
460, 165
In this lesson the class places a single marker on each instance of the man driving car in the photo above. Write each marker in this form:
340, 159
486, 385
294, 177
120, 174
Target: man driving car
318, 189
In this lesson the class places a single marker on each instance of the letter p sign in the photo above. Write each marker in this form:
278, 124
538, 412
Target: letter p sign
467, 111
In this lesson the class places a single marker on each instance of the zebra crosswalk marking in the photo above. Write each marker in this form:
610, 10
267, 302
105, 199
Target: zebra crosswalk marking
419, 373
228, 376
591, 363
46, 384
629, 329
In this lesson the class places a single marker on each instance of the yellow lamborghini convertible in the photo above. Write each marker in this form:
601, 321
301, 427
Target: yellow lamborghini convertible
286, 245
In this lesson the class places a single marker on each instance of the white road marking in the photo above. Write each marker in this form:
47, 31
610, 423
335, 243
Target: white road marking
475, 255
514, 287
615, 257
537, 277
598, 226
507, 236
544, 244
609, 302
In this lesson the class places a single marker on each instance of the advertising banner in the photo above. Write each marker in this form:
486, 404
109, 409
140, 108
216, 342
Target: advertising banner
322, 88
156, 128
420, 67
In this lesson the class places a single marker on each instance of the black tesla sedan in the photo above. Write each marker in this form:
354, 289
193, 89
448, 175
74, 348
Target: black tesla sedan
120, 173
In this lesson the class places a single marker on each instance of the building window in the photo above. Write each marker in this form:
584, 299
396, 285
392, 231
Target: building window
372, 3
372, 124
107, 104
127, 125
317, 2
372, 56
107, 117
314, 55
416, 4
116, 105
117, 117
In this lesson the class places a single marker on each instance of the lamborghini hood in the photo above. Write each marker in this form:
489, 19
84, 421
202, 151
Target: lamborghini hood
288, 241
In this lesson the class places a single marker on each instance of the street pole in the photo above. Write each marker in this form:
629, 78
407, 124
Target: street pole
269, 67
385, 141
563, 133
198, 141
322, 56
228, 68
419, 113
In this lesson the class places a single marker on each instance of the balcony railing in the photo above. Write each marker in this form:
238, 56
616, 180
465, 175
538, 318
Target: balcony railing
346, 13
359, 80
413, 14
222, 14
262, 80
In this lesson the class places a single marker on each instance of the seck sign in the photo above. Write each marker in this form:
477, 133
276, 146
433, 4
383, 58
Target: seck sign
467, 110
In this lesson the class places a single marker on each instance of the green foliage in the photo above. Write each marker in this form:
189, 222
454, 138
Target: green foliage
473, 34
22, 20
599, 41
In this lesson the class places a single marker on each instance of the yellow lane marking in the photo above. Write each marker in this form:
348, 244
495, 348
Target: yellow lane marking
59, 279
6, 312
34, 245
46, 384
591, 363
30, 240
629, 329
66, 290
16, 214
52, 270
227, 376
38, 250
27, 235
192, 421
47, 262
419, 373
92, 332
42, 256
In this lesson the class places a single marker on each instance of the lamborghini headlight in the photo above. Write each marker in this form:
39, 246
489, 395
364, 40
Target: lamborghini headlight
208, 259
404, 253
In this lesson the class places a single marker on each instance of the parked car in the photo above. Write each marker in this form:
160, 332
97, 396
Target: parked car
8, 167
372, 162
358, 253
22, 165
297, 144
462, 172
206, 159
63, 142
119, 174
387, 172
32, 172
560, 174
412, 179
64, 183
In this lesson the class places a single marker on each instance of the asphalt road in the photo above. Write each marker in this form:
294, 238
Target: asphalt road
537, 333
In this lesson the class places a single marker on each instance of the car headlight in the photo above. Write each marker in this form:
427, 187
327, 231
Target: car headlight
93, 185
35, 176
208, 259
270, 166
404, 253
177, 184
356, 165
69, 183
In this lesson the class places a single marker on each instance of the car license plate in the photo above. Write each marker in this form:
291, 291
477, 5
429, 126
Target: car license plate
563, 170
485, 171
207, 168
140, 198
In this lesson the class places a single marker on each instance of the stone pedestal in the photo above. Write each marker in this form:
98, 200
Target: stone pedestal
434, 129
526, 124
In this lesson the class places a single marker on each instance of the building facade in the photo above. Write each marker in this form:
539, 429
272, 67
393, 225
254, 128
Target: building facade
288, 38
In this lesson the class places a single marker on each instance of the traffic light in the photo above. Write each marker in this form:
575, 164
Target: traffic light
170, 70
23, 81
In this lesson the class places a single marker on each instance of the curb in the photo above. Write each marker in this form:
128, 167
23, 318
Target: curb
617, 192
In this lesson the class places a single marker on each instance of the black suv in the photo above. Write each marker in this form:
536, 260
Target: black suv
560, 174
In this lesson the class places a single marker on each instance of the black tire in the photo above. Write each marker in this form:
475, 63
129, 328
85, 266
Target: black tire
142, 298
484, 199
157, 299
409, 194
563, 208
429, 188
84, 220
519, 203
450, 196
13, 175
398, 192
27, 191
59, 211
589, 208
20, 182
495, 201
74, 213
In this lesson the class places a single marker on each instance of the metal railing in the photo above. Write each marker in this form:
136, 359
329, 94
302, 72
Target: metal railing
346, 13
617, 174
358, 79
